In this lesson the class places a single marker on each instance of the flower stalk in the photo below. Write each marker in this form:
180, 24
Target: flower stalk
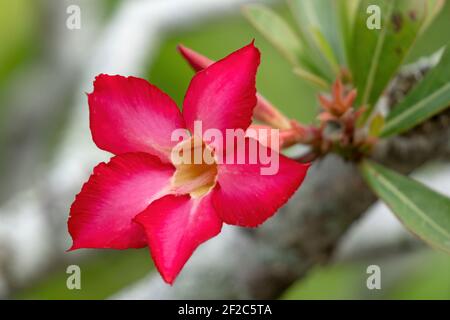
264, 111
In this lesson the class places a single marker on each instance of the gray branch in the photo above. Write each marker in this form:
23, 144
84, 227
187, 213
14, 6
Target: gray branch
262, 263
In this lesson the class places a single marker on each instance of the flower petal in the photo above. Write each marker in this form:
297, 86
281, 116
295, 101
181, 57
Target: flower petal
131, 115
196, 60
101, 215
223, 95
263, 111
175, 227
246, 197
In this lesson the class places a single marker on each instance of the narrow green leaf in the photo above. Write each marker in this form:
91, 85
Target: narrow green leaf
429, 97
434, 7
376, 125
321, 15
423, 211
275, 30
378, 53
346, 15
278, 32
321, 42
311, 78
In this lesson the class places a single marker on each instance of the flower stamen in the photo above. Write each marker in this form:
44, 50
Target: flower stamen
196, 168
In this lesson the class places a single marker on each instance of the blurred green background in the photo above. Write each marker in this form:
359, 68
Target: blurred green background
423, 274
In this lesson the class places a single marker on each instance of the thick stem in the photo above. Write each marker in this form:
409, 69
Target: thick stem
261, 263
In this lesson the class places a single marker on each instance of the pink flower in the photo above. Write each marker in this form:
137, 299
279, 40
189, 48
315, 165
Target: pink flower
141, 198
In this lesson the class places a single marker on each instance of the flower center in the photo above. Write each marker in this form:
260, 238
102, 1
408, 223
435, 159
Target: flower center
196, 168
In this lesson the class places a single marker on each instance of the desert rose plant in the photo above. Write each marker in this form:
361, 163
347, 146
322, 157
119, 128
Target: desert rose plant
145, 196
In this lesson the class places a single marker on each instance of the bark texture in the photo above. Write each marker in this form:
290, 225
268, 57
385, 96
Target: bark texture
262, 263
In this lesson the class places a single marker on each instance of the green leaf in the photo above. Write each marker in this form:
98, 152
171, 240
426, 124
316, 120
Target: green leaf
434, 7
378, 53
311, 78
320, 28
423, 211
376, 125
429, 97
285, 40
346, 15
321, 42
275, 30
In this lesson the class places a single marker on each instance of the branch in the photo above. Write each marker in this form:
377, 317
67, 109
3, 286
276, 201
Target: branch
262, 263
